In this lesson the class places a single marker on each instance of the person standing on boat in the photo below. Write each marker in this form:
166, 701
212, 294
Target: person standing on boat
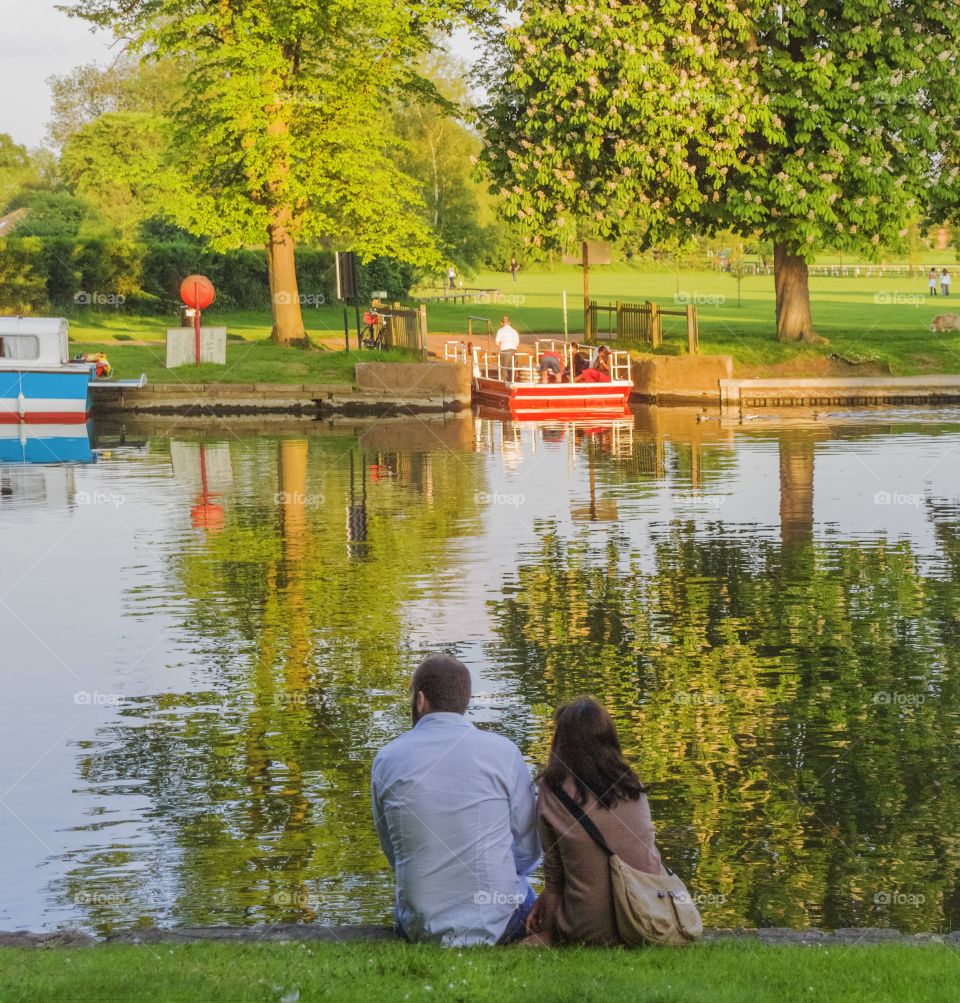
508, 341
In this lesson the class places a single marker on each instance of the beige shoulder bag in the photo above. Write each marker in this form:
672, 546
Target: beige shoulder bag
649, 908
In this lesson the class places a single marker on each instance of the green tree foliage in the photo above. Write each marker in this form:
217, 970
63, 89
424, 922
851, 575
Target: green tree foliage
279, 137
865, 94
609, 118
150, 87
813, 123
22, 286
53, 214
117, 162
439, 150
17, 170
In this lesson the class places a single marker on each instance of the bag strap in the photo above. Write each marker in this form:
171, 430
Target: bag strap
581, 816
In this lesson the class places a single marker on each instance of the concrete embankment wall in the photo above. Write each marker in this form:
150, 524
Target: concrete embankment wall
287, 932
380, 388
680, 379
707, 380
840, 391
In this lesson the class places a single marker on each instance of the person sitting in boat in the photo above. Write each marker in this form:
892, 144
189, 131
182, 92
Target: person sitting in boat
508, 341
599, 372
550, 367
577, 360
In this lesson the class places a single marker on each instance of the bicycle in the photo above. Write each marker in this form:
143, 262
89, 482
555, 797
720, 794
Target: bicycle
374, 325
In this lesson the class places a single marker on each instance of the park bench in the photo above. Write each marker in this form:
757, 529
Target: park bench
464, 295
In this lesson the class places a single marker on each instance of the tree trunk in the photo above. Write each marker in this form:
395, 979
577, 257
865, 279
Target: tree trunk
791, 279
284, 294
796, 489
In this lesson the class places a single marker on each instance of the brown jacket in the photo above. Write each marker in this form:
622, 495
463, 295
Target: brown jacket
576, 869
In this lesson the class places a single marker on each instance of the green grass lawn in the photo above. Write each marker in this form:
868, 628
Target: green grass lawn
254, 361
884, 320
728, 973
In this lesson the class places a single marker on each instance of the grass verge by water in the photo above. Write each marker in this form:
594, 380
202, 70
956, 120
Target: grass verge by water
247, 362
885, 320
719, 973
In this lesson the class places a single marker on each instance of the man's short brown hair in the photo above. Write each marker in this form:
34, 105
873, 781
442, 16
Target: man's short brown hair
445, 682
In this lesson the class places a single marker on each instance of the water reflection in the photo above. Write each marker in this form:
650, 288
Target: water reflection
778, 646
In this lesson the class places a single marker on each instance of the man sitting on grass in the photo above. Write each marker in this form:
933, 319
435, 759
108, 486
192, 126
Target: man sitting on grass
455, 812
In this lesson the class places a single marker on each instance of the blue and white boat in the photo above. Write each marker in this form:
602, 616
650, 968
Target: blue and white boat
68, 443
39, 384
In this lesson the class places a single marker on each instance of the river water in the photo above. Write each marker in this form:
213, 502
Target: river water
208, 632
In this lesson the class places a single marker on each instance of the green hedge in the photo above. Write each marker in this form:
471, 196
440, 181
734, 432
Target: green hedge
145, 276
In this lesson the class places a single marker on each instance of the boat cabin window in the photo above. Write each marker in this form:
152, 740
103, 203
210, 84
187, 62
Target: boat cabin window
19, 346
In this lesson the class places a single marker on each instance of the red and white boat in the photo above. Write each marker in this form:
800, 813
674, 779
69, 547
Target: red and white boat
515, 386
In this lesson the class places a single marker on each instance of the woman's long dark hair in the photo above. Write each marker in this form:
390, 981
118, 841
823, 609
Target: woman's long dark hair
586, 750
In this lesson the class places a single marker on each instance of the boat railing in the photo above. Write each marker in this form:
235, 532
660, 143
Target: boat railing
455, 351
621, 369
620, 365
525, 366
521, 368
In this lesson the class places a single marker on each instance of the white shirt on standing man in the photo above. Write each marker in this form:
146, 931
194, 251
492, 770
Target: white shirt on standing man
507, 338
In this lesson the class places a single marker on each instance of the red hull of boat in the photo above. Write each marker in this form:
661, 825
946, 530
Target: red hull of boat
554, 400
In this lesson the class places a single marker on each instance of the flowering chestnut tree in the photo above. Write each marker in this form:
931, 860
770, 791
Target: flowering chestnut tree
866, 93
611, 117
814, 123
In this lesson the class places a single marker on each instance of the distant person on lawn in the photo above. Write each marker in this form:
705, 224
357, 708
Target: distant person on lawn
455, 812
945, 281
514, 266
508, 341
586, 767
932, 281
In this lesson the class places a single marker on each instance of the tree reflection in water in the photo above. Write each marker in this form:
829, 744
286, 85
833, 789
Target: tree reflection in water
257, 783
797, 707
795, 702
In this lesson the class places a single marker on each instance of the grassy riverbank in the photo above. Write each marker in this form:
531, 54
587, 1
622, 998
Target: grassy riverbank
883, 320
727, 973
247, 362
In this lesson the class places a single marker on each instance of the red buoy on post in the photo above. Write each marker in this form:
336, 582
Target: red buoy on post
197, 292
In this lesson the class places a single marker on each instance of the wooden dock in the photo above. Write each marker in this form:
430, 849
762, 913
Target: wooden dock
840, 391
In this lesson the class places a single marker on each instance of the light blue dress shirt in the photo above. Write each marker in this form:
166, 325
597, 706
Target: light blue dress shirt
455, 811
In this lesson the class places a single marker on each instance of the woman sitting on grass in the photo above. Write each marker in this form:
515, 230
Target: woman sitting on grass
586, 762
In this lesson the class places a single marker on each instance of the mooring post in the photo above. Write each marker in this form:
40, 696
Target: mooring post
585, 251
693, 333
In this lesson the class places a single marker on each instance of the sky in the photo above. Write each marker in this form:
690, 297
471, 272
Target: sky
37, 42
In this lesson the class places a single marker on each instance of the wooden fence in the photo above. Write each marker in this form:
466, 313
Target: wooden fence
404, 327
639, 324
